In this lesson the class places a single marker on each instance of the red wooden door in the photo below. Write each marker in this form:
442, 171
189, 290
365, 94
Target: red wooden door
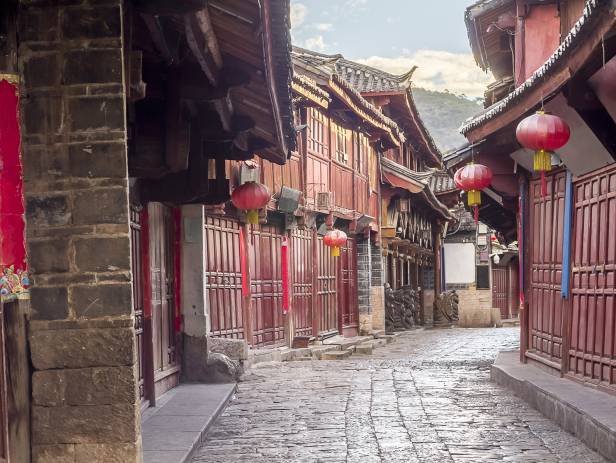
161, 230
514, 289
302, 275
347, 296
500, 291
266, 286
223, 277
326, 288
592, 351
546, 238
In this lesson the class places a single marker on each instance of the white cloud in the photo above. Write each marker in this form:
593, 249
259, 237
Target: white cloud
323, 27
316, 43
298, 14
437, 70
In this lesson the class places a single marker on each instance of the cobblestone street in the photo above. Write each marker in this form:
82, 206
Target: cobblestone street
425, 398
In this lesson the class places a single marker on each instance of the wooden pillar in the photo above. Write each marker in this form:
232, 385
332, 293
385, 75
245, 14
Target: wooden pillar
18, 380
437, 260
246, 285
316, 303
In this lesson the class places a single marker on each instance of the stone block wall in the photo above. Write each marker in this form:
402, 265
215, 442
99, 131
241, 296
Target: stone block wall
84, 396
475, 308
377, 291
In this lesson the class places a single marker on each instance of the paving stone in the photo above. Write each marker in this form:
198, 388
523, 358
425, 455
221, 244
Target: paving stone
425, 398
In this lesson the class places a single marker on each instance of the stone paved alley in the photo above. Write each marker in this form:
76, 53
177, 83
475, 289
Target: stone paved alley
425, 398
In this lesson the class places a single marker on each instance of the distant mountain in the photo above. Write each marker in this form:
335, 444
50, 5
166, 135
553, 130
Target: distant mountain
443, 113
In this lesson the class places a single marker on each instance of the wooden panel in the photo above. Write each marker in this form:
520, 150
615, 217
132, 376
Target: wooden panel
161, 229
276, 176
223, 277
317, 177
546, 238
361, 195
592, 352
342, 186
500, 291
514, 289
302, 277
326, 288
347, 297
266, 286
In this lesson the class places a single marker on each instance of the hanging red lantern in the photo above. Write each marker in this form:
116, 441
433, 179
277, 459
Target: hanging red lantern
250, 197
473, 178
543, 133
334, 239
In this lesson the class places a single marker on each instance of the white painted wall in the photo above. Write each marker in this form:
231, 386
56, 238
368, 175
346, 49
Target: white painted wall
459, 263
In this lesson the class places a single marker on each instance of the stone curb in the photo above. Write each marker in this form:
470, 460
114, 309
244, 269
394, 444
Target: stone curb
581, 413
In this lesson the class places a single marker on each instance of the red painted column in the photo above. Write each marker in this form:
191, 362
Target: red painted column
12, 224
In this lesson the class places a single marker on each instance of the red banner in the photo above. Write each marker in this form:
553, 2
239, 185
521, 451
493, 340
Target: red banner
284, 258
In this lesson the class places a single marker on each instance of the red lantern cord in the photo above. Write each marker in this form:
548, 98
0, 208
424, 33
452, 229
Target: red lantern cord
476, 214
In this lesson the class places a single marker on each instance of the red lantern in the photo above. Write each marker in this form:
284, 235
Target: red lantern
250, 197
334, 239
543, 133
473, 178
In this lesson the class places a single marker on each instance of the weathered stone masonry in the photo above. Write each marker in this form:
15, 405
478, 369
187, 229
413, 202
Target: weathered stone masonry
75, 182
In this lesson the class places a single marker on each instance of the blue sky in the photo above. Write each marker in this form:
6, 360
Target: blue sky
394, 35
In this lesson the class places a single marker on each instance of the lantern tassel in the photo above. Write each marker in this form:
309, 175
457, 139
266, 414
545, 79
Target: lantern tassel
252, 216
335, 251
476, 214
544, 184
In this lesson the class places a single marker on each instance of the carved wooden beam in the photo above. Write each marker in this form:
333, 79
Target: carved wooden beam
201, 45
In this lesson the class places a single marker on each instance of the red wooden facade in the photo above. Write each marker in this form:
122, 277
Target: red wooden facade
592, 347
569, 259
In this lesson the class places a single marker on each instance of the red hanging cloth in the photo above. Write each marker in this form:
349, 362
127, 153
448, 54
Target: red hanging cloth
284, 259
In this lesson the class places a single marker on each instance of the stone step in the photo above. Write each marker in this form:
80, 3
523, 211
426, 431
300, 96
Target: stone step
291, 354
365, 348
378, 333
379, 343
318, 351
389, 338
336, 355
303, 359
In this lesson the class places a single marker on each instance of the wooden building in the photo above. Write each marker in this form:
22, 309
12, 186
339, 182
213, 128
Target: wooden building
559, 55
131, 111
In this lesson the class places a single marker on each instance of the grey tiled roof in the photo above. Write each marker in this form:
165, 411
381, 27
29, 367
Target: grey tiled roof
365, 79
441, 182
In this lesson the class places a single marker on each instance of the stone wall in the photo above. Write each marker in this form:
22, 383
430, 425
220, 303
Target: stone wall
475, 308
75, 183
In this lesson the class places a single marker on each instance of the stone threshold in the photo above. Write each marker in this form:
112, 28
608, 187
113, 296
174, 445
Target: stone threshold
173, 430
585, 412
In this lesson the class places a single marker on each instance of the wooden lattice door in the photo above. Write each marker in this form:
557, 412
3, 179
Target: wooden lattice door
500, 291
546, 305
302, 275
592, 344
347, 297
166, 364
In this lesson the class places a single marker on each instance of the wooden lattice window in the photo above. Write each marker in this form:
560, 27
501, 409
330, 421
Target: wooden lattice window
342, 145
362, 155
317, 131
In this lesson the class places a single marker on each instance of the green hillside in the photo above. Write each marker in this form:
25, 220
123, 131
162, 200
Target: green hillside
443, 114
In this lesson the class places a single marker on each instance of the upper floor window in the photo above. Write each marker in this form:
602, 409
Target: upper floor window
317, 131
361, 160
342, 145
